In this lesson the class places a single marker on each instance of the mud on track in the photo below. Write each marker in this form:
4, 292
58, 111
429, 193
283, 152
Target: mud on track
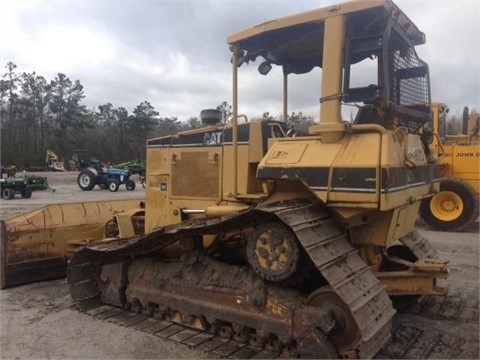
40, 320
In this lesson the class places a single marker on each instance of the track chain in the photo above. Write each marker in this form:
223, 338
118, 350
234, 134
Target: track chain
201, 340
419, 245
348, 275
325, 243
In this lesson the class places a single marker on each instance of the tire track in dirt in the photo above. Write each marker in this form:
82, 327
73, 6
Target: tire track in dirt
435, 327
456, 307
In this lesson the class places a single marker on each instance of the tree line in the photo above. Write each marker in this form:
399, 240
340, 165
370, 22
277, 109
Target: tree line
37, 114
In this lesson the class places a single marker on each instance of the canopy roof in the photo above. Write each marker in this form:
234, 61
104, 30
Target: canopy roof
296, 42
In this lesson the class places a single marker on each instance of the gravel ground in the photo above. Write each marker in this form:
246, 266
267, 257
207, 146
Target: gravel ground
66, 190
39, 321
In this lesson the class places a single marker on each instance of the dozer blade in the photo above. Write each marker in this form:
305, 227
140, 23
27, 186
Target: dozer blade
36, 245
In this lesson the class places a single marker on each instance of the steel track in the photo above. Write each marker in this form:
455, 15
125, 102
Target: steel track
200, 340
348, 275
326, 245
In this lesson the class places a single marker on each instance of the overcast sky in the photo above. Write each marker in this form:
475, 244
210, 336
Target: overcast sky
174, 53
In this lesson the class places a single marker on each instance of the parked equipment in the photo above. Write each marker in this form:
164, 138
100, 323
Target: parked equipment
52, 162
456, 205
35, 182
135, 167
293, 244
82, 159
110, 178
14, 185
9, 170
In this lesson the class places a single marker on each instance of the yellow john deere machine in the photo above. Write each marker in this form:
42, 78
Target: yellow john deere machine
455, 206
289, 244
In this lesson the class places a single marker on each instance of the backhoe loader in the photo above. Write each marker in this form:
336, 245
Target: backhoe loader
253, 243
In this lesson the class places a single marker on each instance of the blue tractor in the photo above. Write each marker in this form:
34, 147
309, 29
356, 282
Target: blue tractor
110, 178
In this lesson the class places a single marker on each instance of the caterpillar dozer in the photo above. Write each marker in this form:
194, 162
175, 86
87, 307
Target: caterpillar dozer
456, 205
281, 243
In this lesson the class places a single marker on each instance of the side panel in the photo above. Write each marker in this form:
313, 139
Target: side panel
303, 158
182, 173
193, 170
406, 177
37, 245
158, 187
355, 171
465, 163
341, 174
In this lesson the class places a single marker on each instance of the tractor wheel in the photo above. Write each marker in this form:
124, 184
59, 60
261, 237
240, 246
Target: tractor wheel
130, 185
453, 208
86, 180
26, 193
8, 193
114, 185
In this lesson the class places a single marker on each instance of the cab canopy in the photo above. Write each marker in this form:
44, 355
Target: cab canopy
375, 29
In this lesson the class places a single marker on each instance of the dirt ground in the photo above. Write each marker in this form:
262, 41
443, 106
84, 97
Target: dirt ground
39, 321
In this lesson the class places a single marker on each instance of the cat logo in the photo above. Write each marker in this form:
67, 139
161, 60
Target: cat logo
213, 138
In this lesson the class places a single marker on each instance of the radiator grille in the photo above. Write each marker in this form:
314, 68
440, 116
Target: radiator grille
195, 175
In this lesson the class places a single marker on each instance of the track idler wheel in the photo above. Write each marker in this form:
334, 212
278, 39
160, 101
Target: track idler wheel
273, 252
344, 334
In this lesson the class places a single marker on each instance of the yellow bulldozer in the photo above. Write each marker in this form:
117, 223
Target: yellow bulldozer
286, 244
455, 206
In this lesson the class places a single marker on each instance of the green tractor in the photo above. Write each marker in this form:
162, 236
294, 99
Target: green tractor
13, 185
